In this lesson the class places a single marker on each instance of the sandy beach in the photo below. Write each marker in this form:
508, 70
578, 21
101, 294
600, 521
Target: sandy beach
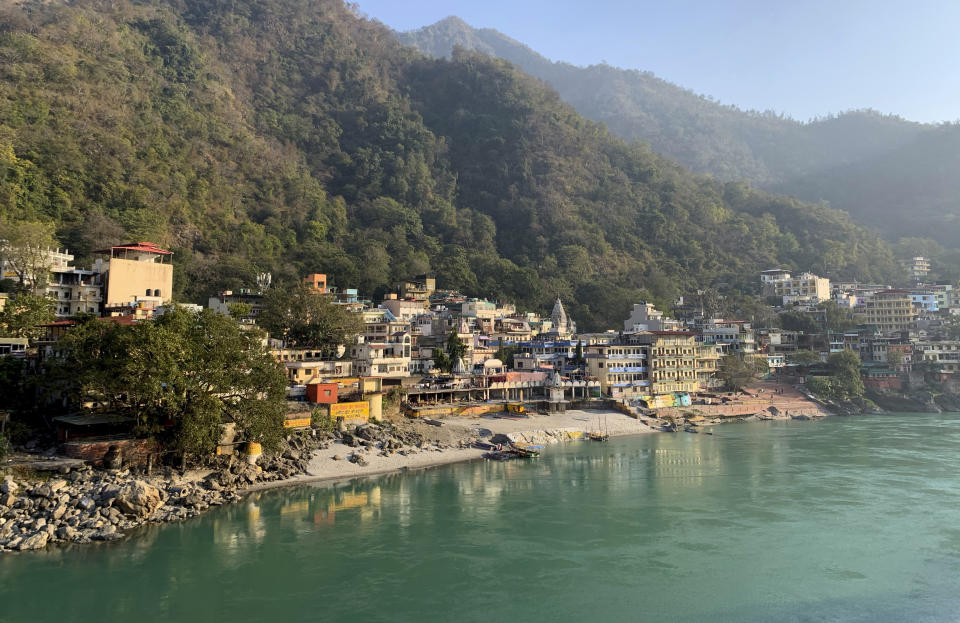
439, 447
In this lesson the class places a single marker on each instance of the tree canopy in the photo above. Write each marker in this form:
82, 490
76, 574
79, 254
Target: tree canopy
181, 376
303, 319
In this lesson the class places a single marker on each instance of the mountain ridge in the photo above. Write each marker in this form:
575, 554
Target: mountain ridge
774, 152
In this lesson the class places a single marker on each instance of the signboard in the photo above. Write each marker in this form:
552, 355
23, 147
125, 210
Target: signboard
350, 411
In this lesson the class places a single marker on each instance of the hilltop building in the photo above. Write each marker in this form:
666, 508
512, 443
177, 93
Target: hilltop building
137, 272
802, 288
918, 267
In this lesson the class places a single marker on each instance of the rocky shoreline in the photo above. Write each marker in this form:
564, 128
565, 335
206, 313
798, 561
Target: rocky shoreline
84, 504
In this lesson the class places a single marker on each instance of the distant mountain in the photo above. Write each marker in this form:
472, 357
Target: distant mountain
810, 160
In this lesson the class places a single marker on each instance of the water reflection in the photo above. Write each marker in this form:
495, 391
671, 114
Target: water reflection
759, 519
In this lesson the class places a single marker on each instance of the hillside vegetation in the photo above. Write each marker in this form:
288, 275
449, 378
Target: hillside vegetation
887, 172
294, 136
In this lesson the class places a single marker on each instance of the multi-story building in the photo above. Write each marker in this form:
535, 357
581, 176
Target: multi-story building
802, 288
137, 272
221, 303
622, 369
316, 283
304, 365
388, 358
420, 288
75, 290
918, 267
889, 310
729, 336
924, 300
673, 357
541, 354
945, 354
944, 294
645, 317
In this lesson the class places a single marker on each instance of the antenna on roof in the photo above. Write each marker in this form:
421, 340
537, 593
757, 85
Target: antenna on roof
263, 281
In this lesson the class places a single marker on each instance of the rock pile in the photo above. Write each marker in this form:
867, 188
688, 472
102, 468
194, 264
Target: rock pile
84, 505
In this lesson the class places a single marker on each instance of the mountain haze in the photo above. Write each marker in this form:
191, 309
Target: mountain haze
772, 151
294, 136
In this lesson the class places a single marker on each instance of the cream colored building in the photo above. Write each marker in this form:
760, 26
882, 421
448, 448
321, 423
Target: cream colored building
889, 310
138, 272
802, 288
621, 369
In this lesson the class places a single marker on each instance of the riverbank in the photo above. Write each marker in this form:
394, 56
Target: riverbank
83, 504
450, 443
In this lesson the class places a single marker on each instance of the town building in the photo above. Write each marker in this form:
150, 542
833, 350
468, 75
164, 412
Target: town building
918, 267
316, 283
889, 310
221, 303
645, 317
420, 288
137, 272
388, 358
621, 369
676, 362
801, 288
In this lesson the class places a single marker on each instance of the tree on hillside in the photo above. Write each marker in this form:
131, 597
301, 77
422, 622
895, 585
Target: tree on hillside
180, 376
803, 357
24, 246
505, 354
24, 313
737, 371
456, 348
798, 321
845, 369
838, 318
307, 320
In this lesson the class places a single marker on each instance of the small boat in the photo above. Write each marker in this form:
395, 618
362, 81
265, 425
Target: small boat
523, 452
598, 437
528, 446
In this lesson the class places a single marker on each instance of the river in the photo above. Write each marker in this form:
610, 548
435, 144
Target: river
845, 519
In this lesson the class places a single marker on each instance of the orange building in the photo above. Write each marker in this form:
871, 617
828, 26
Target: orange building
317, 282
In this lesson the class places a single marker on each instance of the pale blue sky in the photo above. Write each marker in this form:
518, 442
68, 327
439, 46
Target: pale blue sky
803, 58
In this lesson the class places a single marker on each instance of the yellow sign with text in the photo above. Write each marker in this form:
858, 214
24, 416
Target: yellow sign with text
350, 411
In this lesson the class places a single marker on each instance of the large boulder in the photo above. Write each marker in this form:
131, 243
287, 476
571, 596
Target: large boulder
9, 485
34, 541
138, 499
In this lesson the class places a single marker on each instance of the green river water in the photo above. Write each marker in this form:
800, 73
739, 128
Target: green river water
846, 519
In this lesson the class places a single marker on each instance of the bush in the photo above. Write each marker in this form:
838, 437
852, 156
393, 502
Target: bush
320, 419
4, 447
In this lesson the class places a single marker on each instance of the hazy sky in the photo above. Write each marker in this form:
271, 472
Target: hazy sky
802, 57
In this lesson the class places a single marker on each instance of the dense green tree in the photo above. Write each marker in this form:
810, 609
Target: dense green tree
304, 319
456, 348
738, 371
181, 376
24, 246
24, 313
803, 357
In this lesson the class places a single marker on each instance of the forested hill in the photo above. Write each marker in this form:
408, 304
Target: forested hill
294, 136
852, 151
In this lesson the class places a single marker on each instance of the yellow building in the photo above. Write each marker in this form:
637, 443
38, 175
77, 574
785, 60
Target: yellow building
889, 310
620, 368
138, 272
674, 356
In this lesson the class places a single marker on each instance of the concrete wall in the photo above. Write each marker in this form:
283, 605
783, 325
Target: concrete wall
129, 279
